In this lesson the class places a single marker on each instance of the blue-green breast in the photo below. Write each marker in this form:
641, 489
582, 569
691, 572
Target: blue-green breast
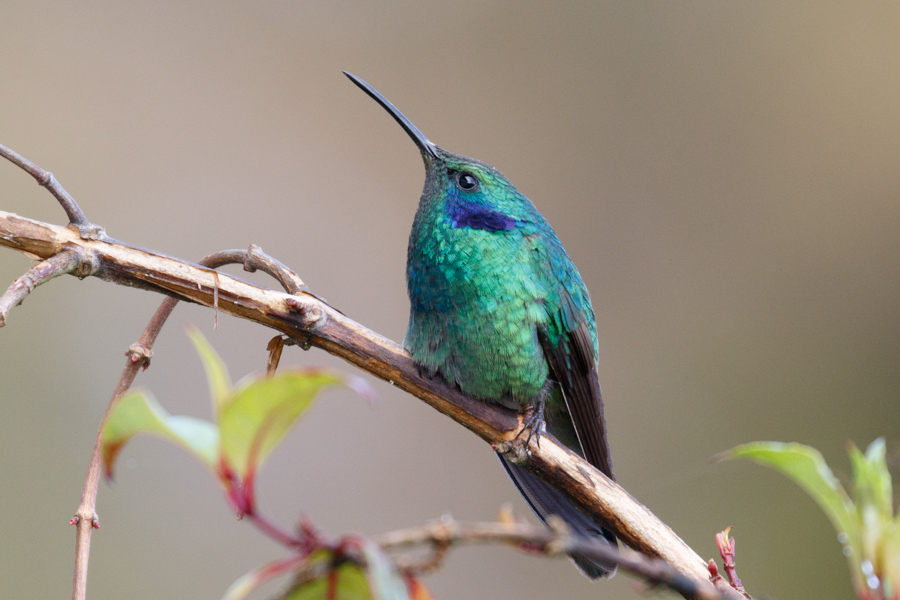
484, 272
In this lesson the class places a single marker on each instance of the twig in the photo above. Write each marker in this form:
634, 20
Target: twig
86, 229
410, 567
447, 532
86, 517
275, 532
255, 258
139, 356
69, 260
726, 550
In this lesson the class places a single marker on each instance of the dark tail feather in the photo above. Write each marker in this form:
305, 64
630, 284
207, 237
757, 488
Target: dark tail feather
545, 501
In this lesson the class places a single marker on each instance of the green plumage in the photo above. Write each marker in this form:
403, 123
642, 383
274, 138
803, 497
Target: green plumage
479, 296
498, 308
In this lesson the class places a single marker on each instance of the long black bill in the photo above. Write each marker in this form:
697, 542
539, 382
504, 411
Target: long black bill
424, 144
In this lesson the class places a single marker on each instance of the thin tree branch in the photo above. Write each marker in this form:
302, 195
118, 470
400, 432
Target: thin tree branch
86, 519
310, 320
67, 261
86, 229
139, 356
253, 259
446, 532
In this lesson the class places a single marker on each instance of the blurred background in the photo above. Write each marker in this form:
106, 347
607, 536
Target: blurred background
724, 175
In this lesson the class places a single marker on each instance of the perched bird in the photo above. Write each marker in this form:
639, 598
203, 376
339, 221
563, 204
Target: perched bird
498, 308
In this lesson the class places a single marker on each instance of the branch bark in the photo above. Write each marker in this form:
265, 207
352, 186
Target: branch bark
309, 320
556, 541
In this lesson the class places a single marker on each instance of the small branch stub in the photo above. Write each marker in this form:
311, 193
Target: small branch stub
70, 260
139, 353
515, 450
726, 550
310, 314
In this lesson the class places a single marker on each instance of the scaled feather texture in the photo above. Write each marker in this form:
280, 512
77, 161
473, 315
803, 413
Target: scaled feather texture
499, 309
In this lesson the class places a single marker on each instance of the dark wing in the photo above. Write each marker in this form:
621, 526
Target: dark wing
567, 341
570, 354
571, 360
545, 501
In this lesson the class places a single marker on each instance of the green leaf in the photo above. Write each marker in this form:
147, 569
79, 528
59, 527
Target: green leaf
138, 412
216, 371
866, 525
320, 577
346, 582
263, 410
806, 467
376, 580
872, 495
871, 479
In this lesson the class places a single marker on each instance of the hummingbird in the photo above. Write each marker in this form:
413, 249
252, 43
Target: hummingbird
498, 309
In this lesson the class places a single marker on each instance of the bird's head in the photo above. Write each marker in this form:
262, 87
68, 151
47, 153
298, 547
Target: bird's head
472, 193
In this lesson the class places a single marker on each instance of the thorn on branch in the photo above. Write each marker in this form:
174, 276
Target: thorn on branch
69, 260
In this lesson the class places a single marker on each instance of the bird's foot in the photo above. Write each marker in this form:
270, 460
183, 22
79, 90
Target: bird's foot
534, 423
426, 372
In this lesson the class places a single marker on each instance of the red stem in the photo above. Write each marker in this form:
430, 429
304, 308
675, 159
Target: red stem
274, 531
139, 355
86, 516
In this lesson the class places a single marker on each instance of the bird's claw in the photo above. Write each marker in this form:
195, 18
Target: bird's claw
534, 423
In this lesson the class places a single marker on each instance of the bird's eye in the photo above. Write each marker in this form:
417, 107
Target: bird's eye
466, 182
